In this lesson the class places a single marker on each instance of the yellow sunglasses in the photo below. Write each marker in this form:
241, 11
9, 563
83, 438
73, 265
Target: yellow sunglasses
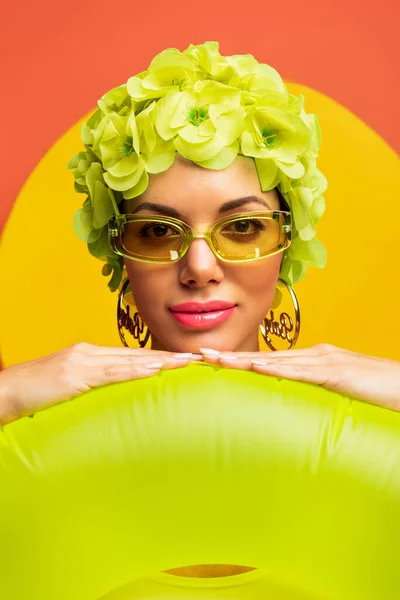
157, 239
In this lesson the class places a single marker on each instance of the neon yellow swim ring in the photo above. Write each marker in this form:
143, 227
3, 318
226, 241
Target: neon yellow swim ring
202, 465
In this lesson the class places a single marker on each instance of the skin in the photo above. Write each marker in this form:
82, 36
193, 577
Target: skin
200, 276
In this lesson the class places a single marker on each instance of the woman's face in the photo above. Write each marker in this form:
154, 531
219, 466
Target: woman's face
197, 194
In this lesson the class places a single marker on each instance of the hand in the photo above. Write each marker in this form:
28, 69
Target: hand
31, 386
368, 378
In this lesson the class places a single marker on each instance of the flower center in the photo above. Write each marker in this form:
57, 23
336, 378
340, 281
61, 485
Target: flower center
197, 115
270, 137
178, 82
127, 146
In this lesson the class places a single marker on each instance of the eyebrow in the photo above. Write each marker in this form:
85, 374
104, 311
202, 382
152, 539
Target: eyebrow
172, 212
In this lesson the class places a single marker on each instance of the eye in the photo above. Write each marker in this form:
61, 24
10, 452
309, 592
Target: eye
157, 230
244, 226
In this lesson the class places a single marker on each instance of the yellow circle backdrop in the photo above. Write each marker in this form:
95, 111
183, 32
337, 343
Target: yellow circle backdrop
53, 293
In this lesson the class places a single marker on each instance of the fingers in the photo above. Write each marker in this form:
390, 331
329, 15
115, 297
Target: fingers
85, 349
314, 355
116, 373
138, 359
102, 369
310, 373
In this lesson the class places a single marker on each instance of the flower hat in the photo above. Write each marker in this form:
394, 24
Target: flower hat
208, 108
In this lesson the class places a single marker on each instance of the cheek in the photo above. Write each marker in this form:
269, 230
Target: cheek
147, 285
258, 281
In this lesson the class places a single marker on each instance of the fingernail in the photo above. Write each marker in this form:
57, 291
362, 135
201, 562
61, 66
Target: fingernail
182, 355
197, 357
222, 357
154, 365
209, 351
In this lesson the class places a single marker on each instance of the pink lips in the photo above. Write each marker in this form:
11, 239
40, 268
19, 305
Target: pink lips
198, 315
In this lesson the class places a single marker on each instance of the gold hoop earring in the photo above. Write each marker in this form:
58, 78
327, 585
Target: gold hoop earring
132, 324
286, 326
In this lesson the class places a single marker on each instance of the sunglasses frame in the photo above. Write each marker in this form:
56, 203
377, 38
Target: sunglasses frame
117, 222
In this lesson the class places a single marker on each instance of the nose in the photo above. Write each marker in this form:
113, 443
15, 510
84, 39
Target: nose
200, 266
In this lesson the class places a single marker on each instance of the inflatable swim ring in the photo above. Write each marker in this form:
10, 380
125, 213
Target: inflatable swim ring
199, 466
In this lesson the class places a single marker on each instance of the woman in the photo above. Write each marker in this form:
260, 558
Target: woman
207, 155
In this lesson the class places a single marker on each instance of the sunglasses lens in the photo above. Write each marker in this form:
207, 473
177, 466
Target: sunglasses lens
244, 237
152, 240
250, 237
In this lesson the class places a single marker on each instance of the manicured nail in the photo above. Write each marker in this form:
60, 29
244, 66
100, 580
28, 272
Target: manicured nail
197, 357
209, 351
182, 355
222, 357
154, 365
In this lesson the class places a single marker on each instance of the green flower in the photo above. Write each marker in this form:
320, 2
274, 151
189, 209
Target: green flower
299, 256
116, 143
315, 134
276, 138
205, 123
169, 70
273, 132
98, 207
80, 163
253, 78
157, 154
209, 63
117, 101
305, 196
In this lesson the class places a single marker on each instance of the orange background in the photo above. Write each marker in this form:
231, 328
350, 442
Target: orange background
58, 58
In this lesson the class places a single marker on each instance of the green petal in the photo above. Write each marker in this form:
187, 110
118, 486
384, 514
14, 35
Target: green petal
316, 136
126, 167
122, 184
223, 159
115, 280
268, 173
166, 109
91, 124
230, 125
138, 188
292, 170
199, 152
74, 161
213, 92
102, 205
87, 214
107, 270
146, 130
318, 208
292, 271
312, 252
197, 135
113, 99
301, 201
80, 230
171, 57
94, 235
93, 174
135, 88
101, 248
160, 161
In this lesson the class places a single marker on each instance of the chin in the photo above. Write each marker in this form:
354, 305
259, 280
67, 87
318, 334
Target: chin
207, 339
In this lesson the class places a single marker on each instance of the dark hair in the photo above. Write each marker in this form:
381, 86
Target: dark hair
283, 205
